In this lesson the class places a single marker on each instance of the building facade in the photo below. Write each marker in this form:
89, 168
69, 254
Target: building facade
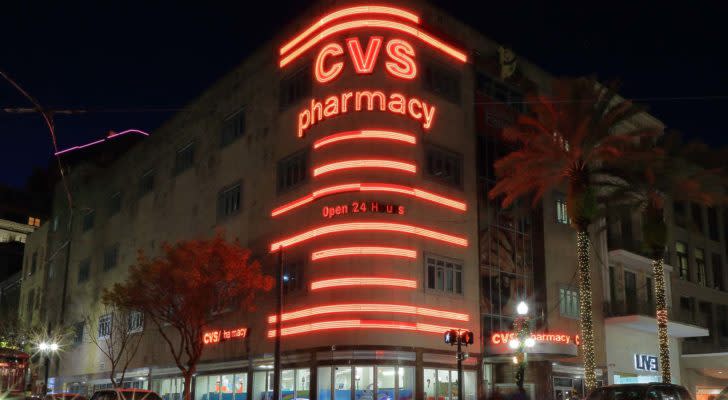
357, 147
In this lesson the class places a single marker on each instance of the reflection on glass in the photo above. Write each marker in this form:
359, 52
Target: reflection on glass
303, 383
469, 385
385, 383
287, 384
364, 379
342, 383
323, 377
443, 384
430, 383
406, 383
261, 390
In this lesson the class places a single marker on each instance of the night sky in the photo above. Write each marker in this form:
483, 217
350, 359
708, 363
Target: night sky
131, 62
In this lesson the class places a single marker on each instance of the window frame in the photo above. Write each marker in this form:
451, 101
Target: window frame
235, 124
574, 292
147, 181
115, 203
442, 278
84, 265
184, 157
283, 167
682, 261
434, 73
221, 209
135, 322
88, 221
445, 155
115, 249
102, 322
295, 87
561, 206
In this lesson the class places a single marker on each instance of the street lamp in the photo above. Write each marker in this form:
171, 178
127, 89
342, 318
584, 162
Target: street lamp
521, 342
47, 349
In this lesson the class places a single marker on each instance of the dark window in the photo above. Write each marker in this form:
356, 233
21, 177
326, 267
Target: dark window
293, 278
232, 128
700, 266
444, 165
292, 171
111, 257
501, 92
630, 292
722, 320
78, 328
104, 330
84, 269
680, 213
717, 264
184, 158
562, 214
444, 275
228, 201
135, 322
146, 183
88, 221
443, 81
295, 87
681, 250
115, 203
569, 302
697, 214
687, 307
706, 320
713, 224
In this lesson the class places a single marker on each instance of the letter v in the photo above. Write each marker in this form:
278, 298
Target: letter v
364, 64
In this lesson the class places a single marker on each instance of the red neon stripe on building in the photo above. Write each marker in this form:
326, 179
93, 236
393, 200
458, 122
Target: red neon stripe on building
363, 251
369, 226
363, 281
349, 164
361, 324
345, 13
374, 23
365, 134
376, 308
370, 187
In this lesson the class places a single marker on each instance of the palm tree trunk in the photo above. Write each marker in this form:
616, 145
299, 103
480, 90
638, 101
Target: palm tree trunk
662, 317
583, 245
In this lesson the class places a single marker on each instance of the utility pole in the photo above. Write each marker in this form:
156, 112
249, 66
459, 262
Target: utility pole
459, 338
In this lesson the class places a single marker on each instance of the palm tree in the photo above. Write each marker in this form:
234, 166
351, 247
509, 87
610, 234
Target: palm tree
566, 141
665, 169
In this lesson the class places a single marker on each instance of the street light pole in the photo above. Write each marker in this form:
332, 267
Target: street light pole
277, 350
460, 338
460, 357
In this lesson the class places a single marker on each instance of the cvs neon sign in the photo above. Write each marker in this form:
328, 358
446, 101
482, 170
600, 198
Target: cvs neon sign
401, 63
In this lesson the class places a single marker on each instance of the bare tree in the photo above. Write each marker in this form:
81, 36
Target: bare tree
117, 333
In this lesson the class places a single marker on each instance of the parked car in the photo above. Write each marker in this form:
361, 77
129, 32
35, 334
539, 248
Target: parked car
64, 396
723, 394
125, 394
641, 391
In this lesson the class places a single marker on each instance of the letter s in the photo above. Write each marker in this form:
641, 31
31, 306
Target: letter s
402, 55
322, 74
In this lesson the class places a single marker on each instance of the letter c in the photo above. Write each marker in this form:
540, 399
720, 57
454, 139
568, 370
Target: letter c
322, 74
495, 338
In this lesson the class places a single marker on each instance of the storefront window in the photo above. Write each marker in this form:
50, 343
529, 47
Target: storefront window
342, 383
385, 383
364, 379
288, 382
442, 384
221, 387
406, 383
262, 385
430, 384
324, 383
303, 383
169, 388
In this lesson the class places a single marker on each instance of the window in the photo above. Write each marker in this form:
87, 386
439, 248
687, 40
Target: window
444, 275
146, 183
630, 292
292, 171
78, 328
569, 303
713, 224
500, 91
32, 221
184, 158
295, 87
232, 128
88, 221
115, 203
722, 311
54, 226
84, 269
442, 81
442, 384
111, 257
700, 266
444, 165
293, 278
717, 265
135, 322
228, 201
221, 387
697, 213
680, 213
687, 307
104, 326
562, 215
681, 249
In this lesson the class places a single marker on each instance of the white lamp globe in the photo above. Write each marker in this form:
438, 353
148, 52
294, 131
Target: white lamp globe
530, 342
522, 308
514, 343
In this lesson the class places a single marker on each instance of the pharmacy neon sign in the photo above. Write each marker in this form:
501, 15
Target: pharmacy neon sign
221, 335
500, 338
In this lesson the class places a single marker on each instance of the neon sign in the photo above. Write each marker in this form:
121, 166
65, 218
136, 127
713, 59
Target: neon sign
369, 308
365, 134
361, 324
365, 100
400, 52
505, 337
363, 251
358, 207
217, 336
363, 281
349, 164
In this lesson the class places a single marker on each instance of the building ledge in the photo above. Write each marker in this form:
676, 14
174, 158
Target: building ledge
627, 257
649, 324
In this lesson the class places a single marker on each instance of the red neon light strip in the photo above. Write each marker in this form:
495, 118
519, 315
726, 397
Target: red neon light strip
369, 226
349, 164
363, 251
363, 281
345, 13
374, 23
365, 134
370, 187
360, 324
376, 308
110, 136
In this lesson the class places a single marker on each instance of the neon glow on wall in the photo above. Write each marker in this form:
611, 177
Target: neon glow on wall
363, 281
365, 134
110, 136
370, 187
361, 324
369, 226
369, 308
391, 11
415, 32
363, 251
349, 164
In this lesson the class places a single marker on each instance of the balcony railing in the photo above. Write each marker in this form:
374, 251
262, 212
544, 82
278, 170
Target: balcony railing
621, 308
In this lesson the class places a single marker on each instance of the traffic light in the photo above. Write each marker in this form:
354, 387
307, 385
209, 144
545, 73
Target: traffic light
451, 336
466, 337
